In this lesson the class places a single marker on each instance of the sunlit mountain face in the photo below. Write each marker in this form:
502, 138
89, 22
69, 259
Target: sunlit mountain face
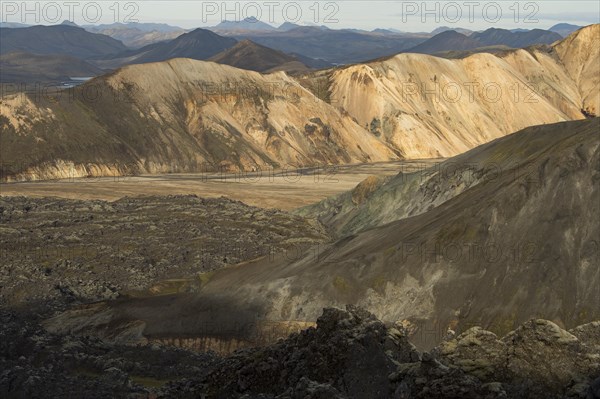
300, 200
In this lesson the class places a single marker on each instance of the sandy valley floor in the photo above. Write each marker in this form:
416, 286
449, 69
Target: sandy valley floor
270, 189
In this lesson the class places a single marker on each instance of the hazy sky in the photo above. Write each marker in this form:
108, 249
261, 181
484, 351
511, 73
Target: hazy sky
412, 16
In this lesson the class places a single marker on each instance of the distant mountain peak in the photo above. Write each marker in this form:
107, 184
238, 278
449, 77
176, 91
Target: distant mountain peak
200, 31
288, 26
450, 33
388, 31
564, 25
249, 23
199, 44
69, 23
443, 29
564, 29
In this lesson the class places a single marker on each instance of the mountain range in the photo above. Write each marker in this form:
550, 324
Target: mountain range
137, 35
114, 45
193, 113
433, 107
334, 46
59, 39
199, 44
450, 40
494, 37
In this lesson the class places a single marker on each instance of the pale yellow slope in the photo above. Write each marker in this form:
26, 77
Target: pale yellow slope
271, 111
548, 77
432, 107
580, 55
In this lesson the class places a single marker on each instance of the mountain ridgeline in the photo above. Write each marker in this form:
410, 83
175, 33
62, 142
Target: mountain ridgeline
254, 57
187, 115
114, 45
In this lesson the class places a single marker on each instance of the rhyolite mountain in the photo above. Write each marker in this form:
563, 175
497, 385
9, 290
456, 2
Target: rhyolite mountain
187, 113
580, 55
442, 29
434, 107
184, 114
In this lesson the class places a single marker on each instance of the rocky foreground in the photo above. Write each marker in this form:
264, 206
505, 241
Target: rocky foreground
350, 354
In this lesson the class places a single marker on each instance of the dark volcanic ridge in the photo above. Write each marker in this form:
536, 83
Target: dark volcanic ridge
254, 57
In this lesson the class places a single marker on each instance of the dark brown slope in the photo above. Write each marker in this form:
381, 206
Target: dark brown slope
199, 44
521, 243
254, 57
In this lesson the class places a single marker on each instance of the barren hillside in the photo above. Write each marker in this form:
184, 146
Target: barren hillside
181, 115
426, 106
518, 242
580, 54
